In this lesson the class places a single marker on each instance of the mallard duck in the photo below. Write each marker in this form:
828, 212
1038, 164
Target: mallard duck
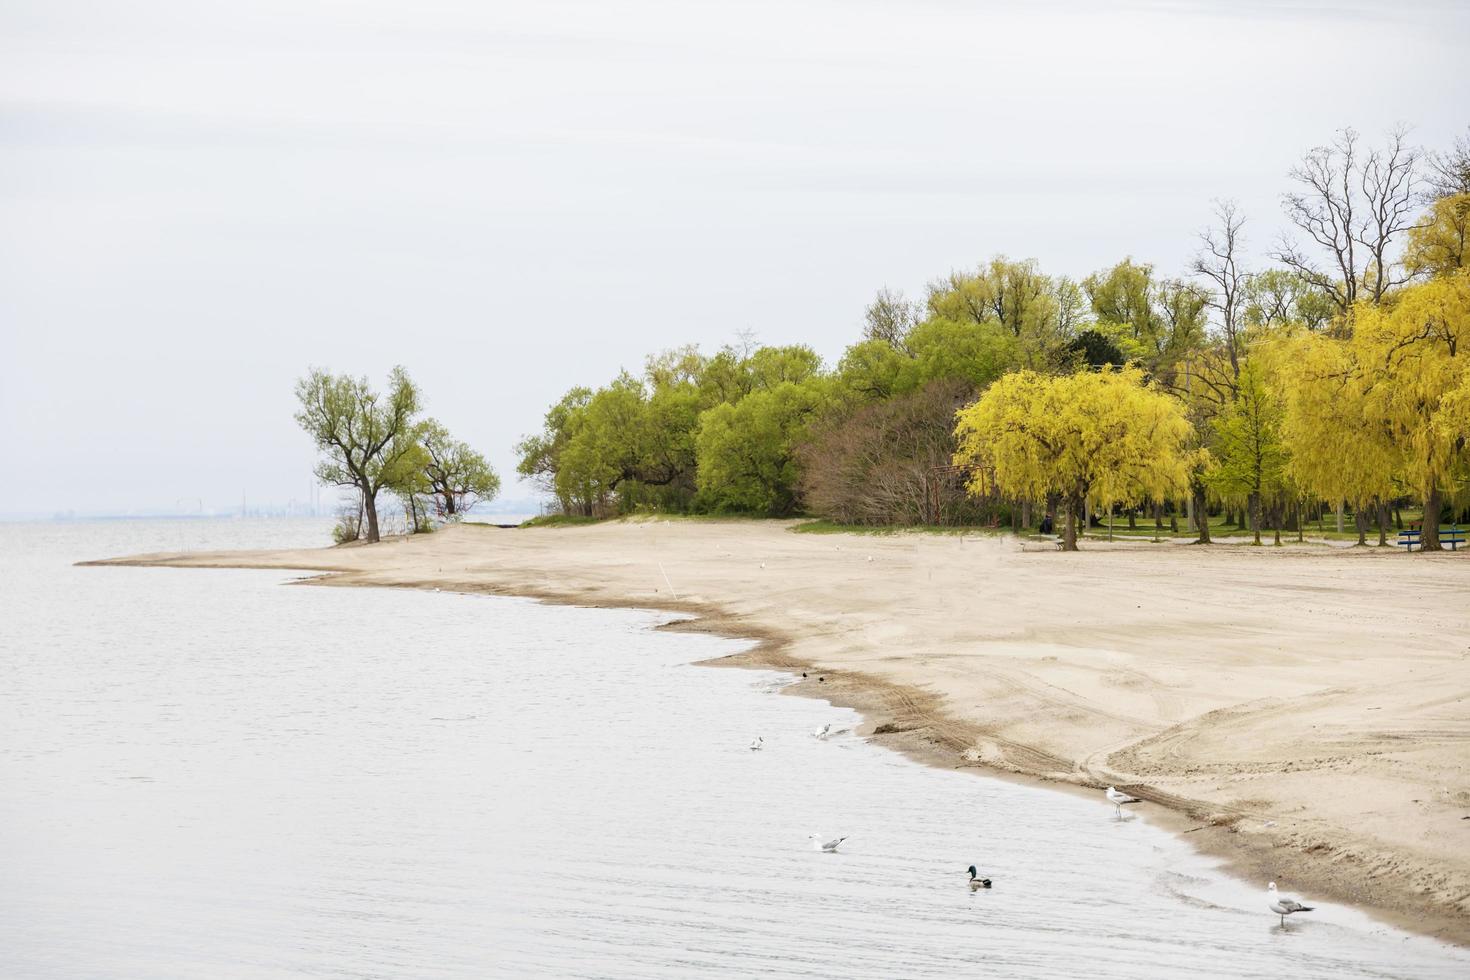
977, 882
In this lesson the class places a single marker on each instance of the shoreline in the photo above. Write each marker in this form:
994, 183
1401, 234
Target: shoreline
917, 719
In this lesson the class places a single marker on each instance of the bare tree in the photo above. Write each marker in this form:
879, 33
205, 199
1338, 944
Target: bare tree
1448, 173
1352, 206
1218, 261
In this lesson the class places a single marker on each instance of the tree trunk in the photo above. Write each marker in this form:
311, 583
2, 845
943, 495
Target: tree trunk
1158, 506
1253, 506
1381, 510
1300, 522
1069, 536
1429, 528
1026, 514
370, 507
1201, 513
1360, 522
1132, 518
1189, 512
1338, 506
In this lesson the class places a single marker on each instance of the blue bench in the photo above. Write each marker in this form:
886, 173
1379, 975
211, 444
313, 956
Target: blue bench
1451, 536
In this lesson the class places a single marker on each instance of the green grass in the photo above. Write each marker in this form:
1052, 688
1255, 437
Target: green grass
560, 520
820, 526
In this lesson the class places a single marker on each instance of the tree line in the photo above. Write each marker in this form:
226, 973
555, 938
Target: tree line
374, 442
1335, 377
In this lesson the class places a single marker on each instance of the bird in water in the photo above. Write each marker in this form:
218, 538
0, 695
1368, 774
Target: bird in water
1120, 800
977, 882
830, 847
823, 732
757, 744
1284, 905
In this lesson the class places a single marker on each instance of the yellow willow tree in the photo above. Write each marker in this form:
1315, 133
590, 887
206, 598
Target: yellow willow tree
1103, 432
1335, 452
1413, 359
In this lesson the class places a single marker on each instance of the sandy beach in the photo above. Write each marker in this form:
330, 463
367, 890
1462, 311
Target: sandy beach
1303, 712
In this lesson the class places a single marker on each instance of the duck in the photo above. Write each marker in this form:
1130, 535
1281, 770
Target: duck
757, 744
1284, 905
977, 882
830, 847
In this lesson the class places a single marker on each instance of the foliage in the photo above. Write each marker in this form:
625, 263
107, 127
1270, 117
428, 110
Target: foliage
1251, 455
889, 462
1105, 433
453, 473
747, 450
363, 437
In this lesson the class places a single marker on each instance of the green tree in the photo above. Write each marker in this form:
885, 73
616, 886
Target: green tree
1248, 445
363, 436
748, 451
454, 474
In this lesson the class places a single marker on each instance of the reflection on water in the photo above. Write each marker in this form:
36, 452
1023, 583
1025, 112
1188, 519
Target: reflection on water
211, 774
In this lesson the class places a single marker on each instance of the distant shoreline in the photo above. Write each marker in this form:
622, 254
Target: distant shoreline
1300, 712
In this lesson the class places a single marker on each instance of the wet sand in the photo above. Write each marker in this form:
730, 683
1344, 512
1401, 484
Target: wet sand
1303, 712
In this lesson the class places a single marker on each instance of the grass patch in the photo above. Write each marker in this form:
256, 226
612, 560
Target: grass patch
560, 520
820, 526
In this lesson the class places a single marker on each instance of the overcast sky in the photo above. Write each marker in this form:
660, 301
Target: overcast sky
199, 200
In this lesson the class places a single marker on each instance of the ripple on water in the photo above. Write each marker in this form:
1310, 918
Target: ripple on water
206, 774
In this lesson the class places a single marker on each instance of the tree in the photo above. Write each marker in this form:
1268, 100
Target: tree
1414, 358
888, 462
454, 474
748, 451
1336, 452
1449, 172
1248, 446
1440, 243
889, 318
541, 454
1276, 298
364, 436
1351, 206
1218, 262
1102, 432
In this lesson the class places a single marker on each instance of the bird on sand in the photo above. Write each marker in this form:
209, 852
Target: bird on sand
977, 882
1120, 800
828, 848
1283, 905
757, 744
823, 732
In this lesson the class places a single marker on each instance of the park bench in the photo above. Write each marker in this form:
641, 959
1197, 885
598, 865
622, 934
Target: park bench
1451, 536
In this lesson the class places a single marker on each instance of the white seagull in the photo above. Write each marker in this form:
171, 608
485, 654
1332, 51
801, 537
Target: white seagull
758, 744
1283, 905
828, 848
1120, 800
823, 732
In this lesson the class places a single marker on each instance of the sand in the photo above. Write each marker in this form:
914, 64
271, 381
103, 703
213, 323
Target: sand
1303, 712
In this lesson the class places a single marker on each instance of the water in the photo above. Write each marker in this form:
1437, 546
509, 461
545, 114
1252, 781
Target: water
210, 774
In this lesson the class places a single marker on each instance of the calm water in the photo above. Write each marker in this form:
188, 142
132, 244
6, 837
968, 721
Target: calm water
209, 774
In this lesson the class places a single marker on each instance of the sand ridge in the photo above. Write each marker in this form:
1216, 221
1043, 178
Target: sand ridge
1303, 711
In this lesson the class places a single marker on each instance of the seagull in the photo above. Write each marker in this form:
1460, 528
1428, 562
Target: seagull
757, 744
823, 732
763, 564
977, 882
1120, 800
1283, 905
870, 558
828, 848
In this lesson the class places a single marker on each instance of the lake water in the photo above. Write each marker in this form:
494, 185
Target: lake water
212, 774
